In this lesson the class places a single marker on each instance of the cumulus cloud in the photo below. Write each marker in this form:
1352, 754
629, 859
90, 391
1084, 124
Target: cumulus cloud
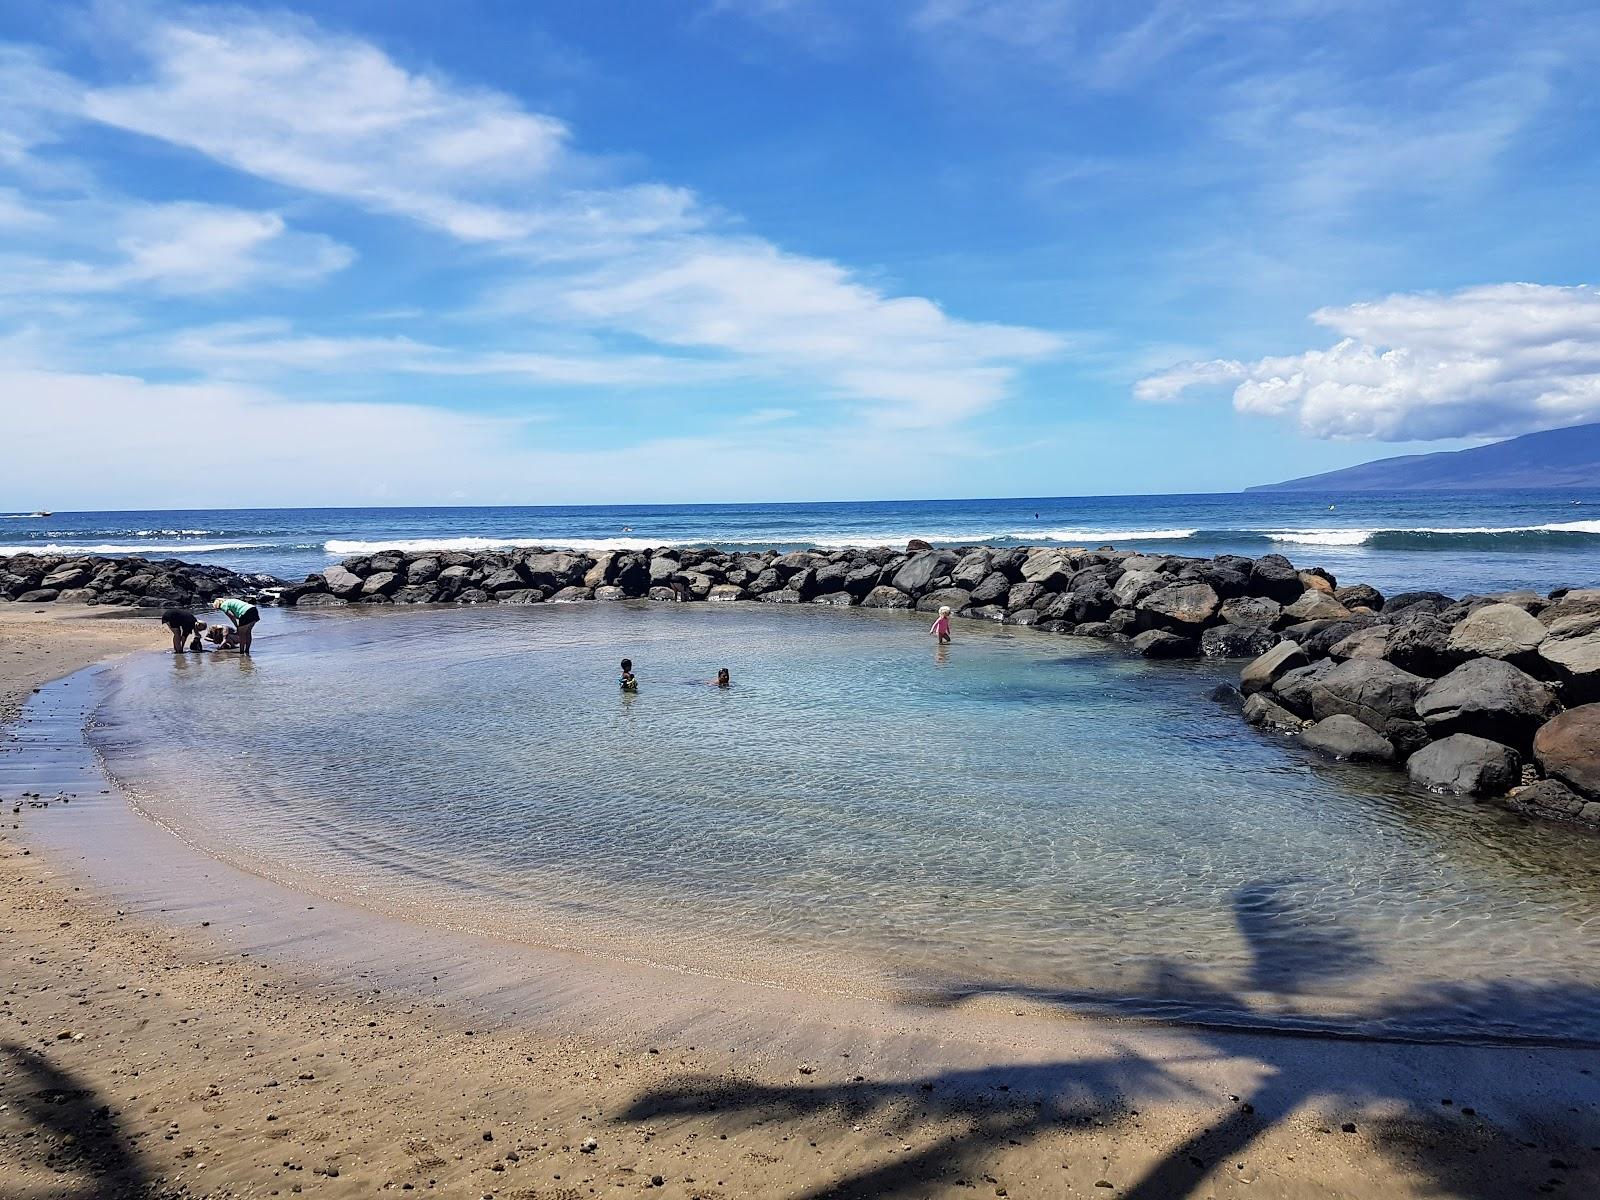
1490, 361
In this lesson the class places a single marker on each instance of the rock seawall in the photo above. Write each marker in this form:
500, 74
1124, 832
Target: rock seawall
129, 582
1485, 695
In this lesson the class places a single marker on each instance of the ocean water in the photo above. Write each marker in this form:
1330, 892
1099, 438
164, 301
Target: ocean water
1458, 543
1015, 816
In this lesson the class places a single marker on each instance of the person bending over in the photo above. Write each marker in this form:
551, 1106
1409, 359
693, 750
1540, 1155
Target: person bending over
183, 626
244, 616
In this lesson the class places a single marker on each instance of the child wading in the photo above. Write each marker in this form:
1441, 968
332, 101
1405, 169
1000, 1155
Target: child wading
629, 681
941, 627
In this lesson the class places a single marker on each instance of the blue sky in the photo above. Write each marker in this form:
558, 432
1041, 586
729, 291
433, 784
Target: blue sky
492, 252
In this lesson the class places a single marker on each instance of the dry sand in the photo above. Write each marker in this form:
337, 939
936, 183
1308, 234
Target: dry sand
169, 1027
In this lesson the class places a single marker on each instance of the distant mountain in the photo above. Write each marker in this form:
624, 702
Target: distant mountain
1555, 458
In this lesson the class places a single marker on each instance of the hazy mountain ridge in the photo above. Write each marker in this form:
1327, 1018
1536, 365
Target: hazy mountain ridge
1553, 458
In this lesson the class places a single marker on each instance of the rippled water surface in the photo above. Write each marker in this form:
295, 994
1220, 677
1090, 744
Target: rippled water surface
1020, 814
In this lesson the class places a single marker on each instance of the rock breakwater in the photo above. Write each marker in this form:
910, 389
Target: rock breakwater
1493, 695
128, 582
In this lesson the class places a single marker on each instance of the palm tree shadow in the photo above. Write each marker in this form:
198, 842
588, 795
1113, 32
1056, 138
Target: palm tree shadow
64, 1117
1289, 953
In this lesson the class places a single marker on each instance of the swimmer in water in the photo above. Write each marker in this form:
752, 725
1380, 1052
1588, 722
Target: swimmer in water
723, 679
629, 681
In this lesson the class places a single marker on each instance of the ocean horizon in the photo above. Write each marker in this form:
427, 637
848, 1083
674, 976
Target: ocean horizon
1454, 542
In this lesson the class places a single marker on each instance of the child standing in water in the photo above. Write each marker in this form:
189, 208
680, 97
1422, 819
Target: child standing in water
629, 681
941, 627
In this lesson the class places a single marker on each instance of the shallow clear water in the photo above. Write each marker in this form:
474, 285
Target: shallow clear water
1020, 814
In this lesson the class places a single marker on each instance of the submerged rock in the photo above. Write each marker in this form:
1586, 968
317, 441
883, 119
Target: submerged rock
1466, 765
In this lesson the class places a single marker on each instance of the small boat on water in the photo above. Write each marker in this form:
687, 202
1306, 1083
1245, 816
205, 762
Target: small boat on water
41, 513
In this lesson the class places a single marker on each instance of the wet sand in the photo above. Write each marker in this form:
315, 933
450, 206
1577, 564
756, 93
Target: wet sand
173, 1026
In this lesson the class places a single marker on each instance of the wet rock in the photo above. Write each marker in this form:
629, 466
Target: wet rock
988, 612
1551, 796
1466, 765
1263, 711
1343, 737
1266, 670
782, 596
570, 595
1160, 643
1489, 698
518, 596
1236, 641
956, 598
885, 596
1228, 695
609, 591
834, 599
726, 592
321, 600
1293, 688
1093, 629
1568, 748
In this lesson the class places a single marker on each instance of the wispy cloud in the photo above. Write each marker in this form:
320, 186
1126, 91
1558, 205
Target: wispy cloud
1481, 362
283, 100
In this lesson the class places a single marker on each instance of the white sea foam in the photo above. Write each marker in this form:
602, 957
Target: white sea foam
143, 548
1358, 537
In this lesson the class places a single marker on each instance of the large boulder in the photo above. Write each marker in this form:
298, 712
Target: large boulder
423, 570
1162, 643
1420, 601
1489, 698
1371, 642
1183, 608
1132, 586
1314, 605
1377, 694
1050, 569
994, 588
1576, 662
555, 572
1267, 669
972, 569
725, 593
381, 583
1236, 641
1293, 688
1343, 737
1359, 595
633, 573
956, 598
342, 582
1251, 610
919, 572
1263, 711
1021, 596
1422, 647
1502, 631
570, 595
507, 579
1467, 765
884, 596
1568, 748
1275, 577
65, 578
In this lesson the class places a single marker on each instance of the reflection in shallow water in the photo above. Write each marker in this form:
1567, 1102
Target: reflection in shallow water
1015, 813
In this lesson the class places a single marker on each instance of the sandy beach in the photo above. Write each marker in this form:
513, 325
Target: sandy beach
175, 1027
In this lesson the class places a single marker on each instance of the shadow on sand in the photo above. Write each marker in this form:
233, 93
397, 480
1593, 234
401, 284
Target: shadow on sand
65, 1133
1442, 1144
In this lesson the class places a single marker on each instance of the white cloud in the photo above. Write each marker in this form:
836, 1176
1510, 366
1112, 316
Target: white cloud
178, 249
794, 313
286, 101
229, 445
1487, 361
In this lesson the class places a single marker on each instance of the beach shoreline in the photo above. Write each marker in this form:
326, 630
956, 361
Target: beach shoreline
187, 998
